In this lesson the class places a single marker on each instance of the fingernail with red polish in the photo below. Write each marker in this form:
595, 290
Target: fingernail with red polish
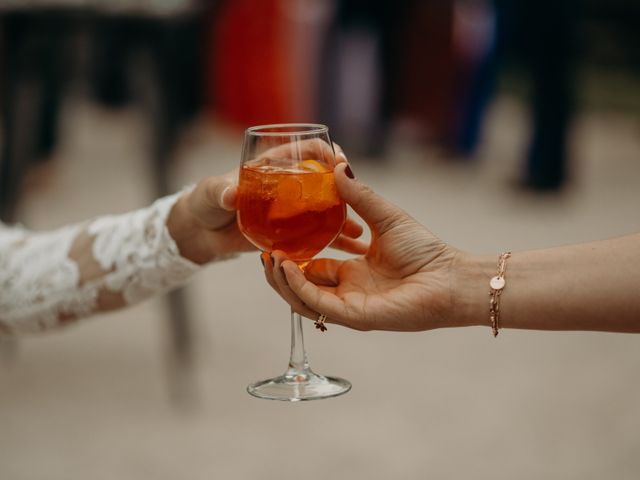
349, 173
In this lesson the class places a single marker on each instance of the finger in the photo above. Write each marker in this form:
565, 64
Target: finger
216, 190
314, 297
340, 156
352, 228
209, 202
229, 197
374, 209
346, 240
350, 245
323, 271
267, 263
285, 291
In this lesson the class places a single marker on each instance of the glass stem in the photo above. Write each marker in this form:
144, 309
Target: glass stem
298, 362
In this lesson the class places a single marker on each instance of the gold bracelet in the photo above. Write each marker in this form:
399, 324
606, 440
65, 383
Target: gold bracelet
497, 285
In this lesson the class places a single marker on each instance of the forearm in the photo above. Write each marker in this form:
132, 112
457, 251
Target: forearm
592, 286
55, 277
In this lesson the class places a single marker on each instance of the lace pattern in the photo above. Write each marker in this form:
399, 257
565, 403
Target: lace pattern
40, 285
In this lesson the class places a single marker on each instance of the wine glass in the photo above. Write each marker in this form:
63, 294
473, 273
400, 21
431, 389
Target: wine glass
287, 200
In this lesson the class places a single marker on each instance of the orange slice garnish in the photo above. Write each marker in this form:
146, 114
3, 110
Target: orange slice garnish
313, 166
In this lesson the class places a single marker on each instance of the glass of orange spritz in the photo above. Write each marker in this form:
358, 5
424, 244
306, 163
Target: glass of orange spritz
287, 200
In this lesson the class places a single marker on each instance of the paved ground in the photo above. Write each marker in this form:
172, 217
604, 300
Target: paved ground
92, 402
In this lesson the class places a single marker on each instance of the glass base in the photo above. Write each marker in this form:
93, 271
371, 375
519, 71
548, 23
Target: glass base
299, 386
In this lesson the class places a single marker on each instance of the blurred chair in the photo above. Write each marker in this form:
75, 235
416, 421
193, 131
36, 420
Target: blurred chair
30, 92
33, 63
35, 43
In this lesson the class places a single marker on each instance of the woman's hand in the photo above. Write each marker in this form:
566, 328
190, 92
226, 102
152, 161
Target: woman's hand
403, 283
203, 222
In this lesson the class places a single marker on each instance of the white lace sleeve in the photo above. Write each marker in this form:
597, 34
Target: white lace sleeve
42, 287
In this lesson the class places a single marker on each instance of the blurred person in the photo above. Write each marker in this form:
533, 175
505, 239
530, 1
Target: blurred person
50, 279
474, 43
541, 35
356, 94
410, 280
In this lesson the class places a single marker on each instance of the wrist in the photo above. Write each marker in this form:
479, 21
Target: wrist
470, 288
188, 233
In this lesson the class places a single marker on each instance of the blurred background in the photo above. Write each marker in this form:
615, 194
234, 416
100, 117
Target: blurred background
499, 125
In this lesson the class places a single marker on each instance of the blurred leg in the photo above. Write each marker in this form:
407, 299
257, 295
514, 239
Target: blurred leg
550, 56
20, 87
170, 100
19, 98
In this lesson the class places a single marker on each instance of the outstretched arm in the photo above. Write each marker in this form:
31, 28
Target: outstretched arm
49, 279
410, 280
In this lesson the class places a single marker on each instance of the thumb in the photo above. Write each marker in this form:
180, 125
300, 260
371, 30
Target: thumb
229, 196
220, 193
213, 200
374, 209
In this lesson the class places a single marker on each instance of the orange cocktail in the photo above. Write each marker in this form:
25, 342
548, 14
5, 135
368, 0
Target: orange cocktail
288, 201
295, 209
